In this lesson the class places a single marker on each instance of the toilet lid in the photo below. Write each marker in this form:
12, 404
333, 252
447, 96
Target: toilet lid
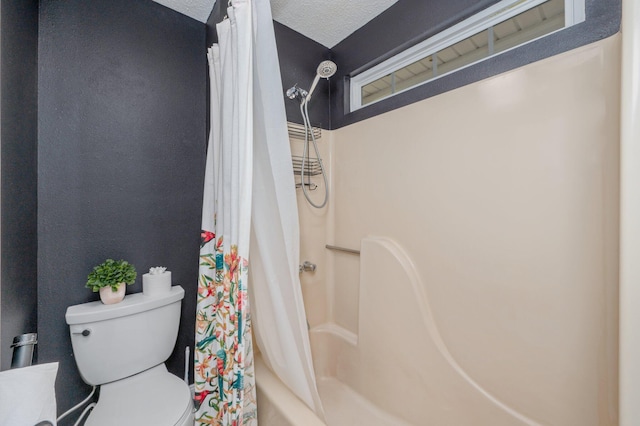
154, 397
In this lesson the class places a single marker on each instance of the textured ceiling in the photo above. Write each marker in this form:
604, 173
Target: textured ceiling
196, 9
326, 21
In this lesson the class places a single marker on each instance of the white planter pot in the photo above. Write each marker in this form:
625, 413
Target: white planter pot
109, 297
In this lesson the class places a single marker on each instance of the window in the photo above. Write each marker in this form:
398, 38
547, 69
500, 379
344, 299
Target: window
501, 27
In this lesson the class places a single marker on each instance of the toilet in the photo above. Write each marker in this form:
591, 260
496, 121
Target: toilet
122, 348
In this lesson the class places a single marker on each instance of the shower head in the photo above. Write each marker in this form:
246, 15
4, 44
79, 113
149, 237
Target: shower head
325, 70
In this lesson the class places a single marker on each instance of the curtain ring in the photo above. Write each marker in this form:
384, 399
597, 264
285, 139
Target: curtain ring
229, 4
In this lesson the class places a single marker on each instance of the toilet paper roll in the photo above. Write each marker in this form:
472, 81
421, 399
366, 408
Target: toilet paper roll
156, 284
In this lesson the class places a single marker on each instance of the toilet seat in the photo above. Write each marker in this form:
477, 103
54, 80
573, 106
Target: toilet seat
153, 397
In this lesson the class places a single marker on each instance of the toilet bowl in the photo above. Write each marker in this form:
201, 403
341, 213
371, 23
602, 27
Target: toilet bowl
122, 348
154, 397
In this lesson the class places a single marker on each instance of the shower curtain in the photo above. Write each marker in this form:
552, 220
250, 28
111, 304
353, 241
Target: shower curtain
281, 324
224, 382
249, 196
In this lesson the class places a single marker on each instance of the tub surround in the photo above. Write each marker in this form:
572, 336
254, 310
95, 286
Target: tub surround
313, 228
399, 341
504, 195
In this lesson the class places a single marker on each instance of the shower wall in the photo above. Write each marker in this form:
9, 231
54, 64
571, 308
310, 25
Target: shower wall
313, 234
504, 194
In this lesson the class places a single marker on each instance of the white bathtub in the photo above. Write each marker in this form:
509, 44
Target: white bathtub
278, 406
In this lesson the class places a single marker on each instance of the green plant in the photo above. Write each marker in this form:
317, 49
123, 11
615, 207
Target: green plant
111, 273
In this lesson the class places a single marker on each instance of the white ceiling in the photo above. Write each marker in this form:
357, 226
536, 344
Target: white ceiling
196, 9
326, 21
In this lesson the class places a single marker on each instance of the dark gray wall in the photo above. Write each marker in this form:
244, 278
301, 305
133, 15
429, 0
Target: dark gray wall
411, 21
18, 114
121, 145
299, 57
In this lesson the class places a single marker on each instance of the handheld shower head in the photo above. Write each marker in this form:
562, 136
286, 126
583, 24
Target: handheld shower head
326, 69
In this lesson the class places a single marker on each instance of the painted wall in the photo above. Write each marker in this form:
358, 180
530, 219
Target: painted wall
505, 195
121, 144
18, 298
299, 58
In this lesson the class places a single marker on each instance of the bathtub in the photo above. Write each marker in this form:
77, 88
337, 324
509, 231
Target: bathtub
278, 406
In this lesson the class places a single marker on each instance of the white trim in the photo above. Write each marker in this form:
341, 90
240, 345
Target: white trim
574, 12
0, 187
499, 12
629, 357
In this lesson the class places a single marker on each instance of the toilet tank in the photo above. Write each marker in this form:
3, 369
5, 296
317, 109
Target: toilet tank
111, 342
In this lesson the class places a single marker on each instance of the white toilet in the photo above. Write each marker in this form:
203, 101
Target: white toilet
122, 348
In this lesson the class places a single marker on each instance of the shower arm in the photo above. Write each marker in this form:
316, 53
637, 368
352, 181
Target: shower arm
326, 69
313, 87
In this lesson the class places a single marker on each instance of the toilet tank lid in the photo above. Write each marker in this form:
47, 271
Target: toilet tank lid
132, 304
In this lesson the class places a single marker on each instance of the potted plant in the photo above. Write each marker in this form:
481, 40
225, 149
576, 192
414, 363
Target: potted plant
110, 279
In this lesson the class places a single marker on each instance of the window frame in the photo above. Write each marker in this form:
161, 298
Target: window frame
574, 13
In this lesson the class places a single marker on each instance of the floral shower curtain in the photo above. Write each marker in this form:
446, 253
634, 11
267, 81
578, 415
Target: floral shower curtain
248, 199
224, 379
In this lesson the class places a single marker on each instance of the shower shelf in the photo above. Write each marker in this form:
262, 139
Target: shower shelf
296, 131
312, 166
